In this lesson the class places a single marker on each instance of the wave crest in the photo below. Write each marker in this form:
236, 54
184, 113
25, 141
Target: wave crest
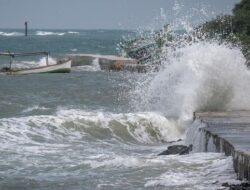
136, 128
11, 34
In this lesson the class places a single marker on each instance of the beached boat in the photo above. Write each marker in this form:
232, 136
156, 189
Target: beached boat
62, 66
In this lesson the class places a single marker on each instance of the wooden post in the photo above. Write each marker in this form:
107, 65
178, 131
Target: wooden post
194, 116
26, 28
47, 60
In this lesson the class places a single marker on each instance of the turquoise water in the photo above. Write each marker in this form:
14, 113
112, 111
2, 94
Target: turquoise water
86, 130
62, 41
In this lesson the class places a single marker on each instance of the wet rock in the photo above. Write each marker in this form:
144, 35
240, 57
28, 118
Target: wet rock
242, 186
177, 149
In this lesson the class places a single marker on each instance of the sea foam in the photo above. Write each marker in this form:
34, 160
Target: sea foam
46, 33
11, 34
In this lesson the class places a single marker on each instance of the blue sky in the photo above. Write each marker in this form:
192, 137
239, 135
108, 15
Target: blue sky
107, 14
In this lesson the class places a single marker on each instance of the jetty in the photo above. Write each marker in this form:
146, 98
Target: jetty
229, 133
110, 62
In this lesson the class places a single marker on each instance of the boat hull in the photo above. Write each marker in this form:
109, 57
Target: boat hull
57, 68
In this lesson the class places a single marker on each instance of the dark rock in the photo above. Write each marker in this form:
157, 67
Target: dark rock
5, 69
177, 149
242, 186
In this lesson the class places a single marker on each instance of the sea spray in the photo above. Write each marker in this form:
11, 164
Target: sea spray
202, 76
73, 131
93, 67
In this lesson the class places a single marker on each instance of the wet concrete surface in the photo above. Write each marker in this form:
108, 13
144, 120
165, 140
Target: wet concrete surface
230, 133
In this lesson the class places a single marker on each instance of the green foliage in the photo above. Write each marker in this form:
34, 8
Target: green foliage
221, 27
231, 27
241, 22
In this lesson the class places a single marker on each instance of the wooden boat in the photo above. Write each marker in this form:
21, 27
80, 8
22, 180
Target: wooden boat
56, 68
62, 66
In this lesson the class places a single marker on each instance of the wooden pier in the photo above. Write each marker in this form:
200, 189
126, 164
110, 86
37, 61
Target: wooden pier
111, 62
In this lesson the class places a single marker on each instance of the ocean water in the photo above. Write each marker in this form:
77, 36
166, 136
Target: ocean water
62, 41
92, 129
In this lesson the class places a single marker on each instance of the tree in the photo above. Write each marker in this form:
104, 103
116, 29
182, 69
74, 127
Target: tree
237, 24
242, 17
241, 22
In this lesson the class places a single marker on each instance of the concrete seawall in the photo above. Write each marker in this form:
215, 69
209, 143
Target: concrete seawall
111, 63
228, 132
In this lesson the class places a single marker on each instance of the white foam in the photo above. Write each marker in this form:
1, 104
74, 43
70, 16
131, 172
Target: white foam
46, 33
203, 76
194, 171
32, 64
73, 50
33, 108
94, 67
11, 34
118, 161
197, 171
73, 32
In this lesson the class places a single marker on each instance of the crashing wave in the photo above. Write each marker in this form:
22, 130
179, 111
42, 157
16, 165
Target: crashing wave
146, 128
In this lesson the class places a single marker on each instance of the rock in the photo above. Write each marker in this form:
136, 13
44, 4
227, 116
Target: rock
177, 149
5, 69
242, 186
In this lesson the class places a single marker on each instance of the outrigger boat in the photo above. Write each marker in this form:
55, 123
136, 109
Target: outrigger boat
62, 66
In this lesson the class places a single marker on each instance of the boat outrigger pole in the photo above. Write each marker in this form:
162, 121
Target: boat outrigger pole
25, 54
47, 59
13, 55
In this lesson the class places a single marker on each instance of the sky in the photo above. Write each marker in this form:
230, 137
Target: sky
108, 14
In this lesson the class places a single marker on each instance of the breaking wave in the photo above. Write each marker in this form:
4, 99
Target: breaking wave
11, 34
48, 33
146, 128
45, 33
202, 76
73, 32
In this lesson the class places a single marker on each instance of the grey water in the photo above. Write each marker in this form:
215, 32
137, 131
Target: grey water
80, 130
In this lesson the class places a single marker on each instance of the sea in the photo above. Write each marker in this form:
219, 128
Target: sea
94, 129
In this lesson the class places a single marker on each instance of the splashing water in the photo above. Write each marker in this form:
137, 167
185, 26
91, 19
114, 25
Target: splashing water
69, 133
93, 67
31, 64
203, 76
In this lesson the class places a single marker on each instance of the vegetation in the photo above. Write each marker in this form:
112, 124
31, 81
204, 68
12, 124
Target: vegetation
221, 27
232, 28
